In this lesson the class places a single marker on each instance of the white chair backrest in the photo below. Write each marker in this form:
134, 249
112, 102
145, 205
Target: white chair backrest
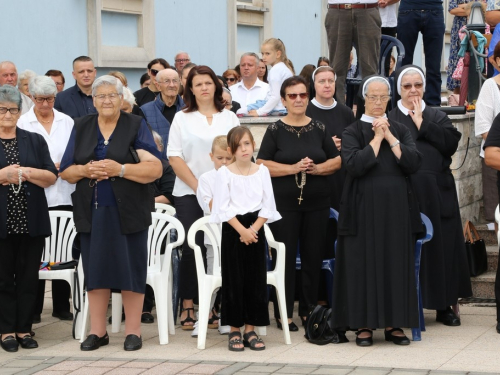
59, 244
212, 233
497, 219
160, 228
165, 209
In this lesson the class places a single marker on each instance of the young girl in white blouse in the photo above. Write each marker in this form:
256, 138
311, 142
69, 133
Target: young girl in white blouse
274, 54
243, 202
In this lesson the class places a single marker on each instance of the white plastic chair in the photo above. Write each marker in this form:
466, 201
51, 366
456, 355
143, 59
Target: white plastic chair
159, 276
208, 284
497, 219
58, 247
165, 209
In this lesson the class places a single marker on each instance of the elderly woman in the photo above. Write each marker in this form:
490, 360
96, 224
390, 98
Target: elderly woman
231, 76
26, 168
23, 81
374, 282
190, 142
55, 127
300, 154
444, 273
58, 77
111, 157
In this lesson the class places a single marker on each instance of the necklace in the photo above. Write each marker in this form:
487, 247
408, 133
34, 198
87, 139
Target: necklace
9, 144
20, 181
301, 185
45, 122
297, 132
242, 172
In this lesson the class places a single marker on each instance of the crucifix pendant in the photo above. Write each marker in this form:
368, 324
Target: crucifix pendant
300, 199
298, 135
95, 205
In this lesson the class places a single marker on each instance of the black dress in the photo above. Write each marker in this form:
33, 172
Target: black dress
306, 222
374, 281
444, 275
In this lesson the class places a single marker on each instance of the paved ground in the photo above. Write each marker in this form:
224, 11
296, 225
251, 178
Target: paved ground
472, 348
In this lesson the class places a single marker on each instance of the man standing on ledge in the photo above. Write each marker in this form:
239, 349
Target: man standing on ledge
351, 22
425, 16
77, 100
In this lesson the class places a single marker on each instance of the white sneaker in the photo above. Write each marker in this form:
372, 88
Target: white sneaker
224, 330
194, 333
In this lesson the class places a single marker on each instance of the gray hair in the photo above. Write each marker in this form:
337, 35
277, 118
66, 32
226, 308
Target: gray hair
228, 92
27, 74
158, 140
178, 53
42, 85
371, 80
128, 96
251, 54
9, 94
107, 80
159, 75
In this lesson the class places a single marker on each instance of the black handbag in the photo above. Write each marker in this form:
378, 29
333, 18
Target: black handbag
318, 327
475, 249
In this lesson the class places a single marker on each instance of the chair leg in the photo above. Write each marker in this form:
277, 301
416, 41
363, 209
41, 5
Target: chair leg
262, 331
161, 311
280, 293
171, 314
85, 320
116, 312
205, 296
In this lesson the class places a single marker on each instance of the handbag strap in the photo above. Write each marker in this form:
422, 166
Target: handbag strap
468, 235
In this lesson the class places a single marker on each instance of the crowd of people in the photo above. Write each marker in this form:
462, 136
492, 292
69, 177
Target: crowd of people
107, 155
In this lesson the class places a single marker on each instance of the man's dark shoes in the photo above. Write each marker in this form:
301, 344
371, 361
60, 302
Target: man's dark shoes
36, 319
447, 317
147, 318
27, 342
292, 327
132, 342
9, 344
63, 315
365, 341
398, 340
93, 342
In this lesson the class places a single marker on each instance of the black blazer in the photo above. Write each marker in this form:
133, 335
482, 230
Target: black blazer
34, 153
70, 102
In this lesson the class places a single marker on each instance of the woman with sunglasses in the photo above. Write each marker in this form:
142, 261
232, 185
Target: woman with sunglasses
300, 154
231, 76
444, 275
148, 94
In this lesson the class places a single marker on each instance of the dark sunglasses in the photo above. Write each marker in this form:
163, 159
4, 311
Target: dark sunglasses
231, 79
303, 95
154, 72
407, 86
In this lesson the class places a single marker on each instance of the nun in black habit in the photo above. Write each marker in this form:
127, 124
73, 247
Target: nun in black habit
444, 274
374, 284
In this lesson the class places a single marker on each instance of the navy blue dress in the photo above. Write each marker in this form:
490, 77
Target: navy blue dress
112, 260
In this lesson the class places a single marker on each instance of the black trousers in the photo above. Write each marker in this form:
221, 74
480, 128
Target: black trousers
310, 228
497, 287
188, 211
244, 277
20, 257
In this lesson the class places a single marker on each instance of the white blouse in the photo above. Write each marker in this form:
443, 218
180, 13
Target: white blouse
237, 195
487, 108
277, 75
206, 187
191, 138
58, 194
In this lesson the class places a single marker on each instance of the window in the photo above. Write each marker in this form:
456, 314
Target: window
121, 32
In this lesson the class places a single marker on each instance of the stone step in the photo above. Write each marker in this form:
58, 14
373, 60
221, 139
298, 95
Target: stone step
489, 236
483, 286
492, 253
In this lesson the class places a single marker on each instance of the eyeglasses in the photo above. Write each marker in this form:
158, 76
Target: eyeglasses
374, 99
408, 86
154, 72
303, 95
231, 79
41, 100
169, 81
13, 111
102, 97
182, 60
59, 84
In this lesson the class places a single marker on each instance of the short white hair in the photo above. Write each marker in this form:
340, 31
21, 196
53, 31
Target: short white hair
128, 96
107, 80
42, 85
27, 74
183, 52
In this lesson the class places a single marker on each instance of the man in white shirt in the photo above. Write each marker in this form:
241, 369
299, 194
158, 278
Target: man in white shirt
250, 88
351, 22
8, 76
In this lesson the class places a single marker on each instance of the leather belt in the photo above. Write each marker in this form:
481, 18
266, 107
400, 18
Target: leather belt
352, 6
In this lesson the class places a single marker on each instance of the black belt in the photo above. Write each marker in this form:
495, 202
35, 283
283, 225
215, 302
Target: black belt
352, 6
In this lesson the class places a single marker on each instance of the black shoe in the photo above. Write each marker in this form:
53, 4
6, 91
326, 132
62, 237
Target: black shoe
366, 341
93, 342
398, 340
36, 319
447, 317
342, 337
9, 344
63, 315
147, 318
132, 342
292, 327
27, 342
498, 327
110, 319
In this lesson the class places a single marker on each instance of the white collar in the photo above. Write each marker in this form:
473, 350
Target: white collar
405, 110
370, 119
321, 106
31, 117
258, 83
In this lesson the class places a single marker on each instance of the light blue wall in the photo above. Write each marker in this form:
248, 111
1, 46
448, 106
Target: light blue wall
196, 26
119, 29
299, 25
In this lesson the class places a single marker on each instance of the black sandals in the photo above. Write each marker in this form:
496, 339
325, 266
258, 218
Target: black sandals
235, 339
251, 340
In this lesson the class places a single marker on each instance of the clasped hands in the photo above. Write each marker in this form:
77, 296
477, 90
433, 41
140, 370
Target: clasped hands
305, 165
102, 169
12, 174
248, 236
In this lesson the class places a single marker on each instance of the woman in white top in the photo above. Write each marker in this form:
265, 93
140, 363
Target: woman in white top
487, 108
55, 127
189, 143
